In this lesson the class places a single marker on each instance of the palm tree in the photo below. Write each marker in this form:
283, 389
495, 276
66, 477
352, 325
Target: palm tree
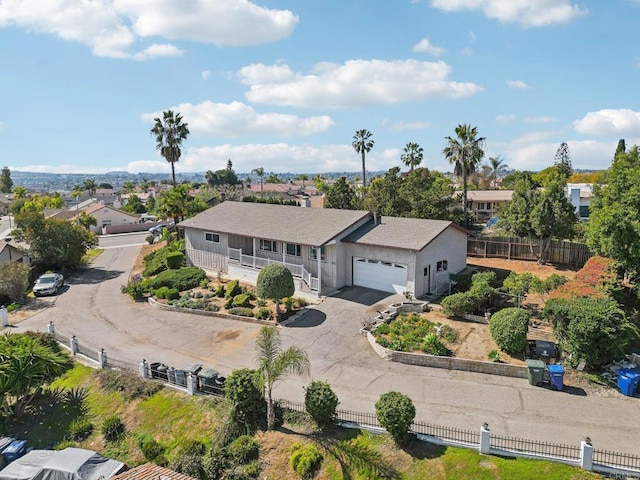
412, 156
497, 164
274, 364
20, 191
465, 152
260, 172
90, 186
362, 144
304, 177
170, 132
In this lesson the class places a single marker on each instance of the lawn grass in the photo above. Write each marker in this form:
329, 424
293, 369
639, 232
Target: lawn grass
91, 255
172, 418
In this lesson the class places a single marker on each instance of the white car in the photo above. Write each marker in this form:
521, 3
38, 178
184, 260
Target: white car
48, 284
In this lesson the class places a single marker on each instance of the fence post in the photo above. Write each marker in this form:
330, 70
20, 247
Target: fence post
102, 358
190, 383
485, 439
143, 368
51, 330
586, 454
74, 345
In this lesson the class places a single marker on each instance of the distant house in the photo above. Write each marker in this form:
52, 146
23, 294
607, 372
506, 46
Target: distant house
9, 252
484, 204
5, 202
328, 248
107, 216
579, 194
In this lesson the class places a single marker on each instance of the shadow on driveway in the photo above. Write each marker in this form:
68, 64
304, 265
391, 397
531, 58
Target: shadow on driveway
361, 295
95, 275
311, 318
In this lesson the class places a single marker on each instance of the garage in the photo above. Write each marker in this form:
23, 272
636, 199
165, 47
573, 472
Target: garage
379, 275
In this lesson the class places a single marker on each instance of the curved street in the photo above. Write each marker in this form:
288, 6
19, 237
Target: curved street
94, 310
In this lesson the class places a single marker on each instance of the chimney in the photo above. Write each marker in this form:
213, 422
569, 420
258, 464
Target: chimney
377, 219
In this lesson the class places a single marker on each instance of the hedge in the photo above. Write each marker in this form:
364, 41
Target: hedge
183, 279
509, 327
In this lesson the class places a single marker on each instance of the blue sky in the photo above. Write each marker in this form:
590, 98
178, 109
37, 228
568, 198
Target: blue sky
284, 84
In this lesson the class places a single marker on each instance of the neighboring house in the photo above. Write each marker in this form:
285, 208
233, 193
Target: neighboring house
108, 196
484, 204
5, 202
9, 252
107, 215
329, 248
579, 194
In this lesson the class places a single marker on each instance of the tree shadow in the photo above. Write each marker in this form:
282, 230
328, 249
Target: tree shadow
421, 450
362, 295
310, 318
96, 275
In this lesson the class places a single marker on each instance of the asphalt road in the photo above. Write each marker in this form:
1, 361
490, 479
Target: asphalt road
93, 309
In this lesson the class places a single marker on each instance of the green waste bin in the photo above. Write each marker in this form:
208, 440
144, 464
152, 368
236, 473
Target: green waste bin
535, 371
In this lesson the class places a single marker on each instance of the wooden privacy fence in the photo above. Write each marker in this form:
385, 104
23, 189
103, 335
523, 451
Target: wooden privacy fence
516, 248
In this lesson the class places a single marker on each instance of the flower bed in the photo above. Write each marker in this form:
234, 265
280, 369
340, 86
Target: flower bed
414, 333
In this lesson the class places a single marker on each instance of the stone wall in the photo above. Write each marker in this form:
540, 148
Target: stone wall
450, 363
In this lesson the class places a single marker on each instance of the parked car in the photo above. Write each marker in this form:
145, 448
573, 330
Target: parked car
48, 284
157, 230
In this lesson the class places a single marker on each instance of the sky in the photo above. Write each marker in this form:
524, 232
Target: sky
284, 85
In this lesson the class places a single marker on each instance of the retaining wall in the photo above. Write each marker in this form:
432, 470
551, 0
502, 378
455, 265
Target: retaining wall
163, 306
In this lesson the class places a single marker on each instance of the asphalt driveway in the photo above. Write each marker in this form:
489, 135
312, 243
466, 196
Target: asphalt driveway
94, 309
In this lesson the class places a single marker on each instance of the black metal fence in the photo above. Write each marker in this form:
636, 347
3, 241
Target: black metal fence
616, 460
533, 447
87, 352
448, 434
516, 248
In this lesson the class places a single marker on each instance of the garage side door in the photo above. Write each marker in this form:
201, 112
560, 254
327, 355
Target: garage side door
385, 276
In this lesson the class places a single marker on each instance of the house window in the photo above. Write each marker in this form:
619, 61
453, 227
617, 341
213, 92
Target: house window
268, 245
442, 266
313, 254
480, 205
293, 249
425, 272
211, 237
583, 211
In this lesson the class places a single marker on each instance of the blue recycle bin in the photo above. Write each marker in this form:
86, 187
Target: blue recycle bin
556, 376
628, 379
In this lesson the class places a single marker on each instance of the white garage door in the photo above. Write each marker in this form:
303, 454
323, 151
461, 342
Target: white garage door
385, 276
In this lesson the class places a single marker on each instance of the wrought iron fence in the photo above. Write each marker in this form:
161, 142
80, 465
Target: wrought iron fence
87, 352
62, 339
120, 365
359, 418
449, 434
534, 447
616, 459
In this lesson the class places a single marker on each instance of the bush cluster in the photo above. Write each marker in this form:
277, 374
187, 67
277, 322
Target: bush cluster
152, 449
241, 311
174, 260
476, 299
409, 333
263, 313
183, 279
232, 289
80, 429
509, 327
167, 293
395, 412
113, 428
241, 300
321, 402
305, 459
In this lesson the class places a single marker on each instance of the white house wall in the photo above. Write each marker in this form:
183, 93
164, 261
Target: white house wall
404, 257
450, 245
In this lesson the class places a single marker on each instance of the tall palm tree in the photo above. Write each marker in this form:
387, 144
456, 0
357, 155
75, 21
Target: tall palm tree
497, 164
362, 144
170, 132
274, 363
90, 186
20, 191
465, 152
260, 172
412, 156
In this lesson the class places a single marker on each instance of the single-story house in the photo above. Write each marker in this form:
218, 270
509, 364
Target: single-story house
106, 215
484, 204
329, 248
10, 253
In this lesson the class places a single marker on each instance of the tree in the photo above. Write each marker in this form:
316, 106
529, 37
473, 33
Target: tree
20, 191
340, 195
303, 177
6, 184
260, 172
87, 221
275, 282
221, 177
229, 165
320, 401
497, 165
509, 327
613, 229
621, 147
563, 161
465, 153
14, 281
170, 132
249, 407
90, 186
134, 205
412, 156
173, 203
395, 412
274, 363
362, 144
273, 178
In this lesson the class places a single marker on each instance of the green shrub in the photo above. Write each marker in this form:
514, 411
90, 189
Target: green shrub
167, 293
129, 384
228, 304
150, 239
494, 356
434, 346
183, 279
249, 406
113, 428
155, 262
289, 303
135, 288
80, 429
191, 447
232, 289
241, 311
458, 304
241, 300
261, 302
150, 447
12, 307
509, 327
395, 412
263, 313
220, 290
65, 444
174, 260
300, 302
305, 459
321, 402
243, 449
383, 329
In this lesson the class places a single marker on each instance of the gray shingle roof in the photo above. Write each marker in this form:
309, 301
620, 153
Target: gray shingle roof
394, 232
305, 226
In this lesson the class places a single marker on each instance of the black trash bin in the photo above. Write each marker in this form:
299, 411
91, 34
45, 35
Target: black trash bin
207, 380
153, 367
181, 378
162, 372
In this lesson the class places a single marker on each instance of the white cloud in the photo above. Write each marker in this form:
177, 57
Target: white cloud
529, 13
355, 83
277, 157
609, 122
467, 51
425, 46
540, 119
112, 28
205, 75
504, 119
399, 126
516, 84
472, 36
238, 119
65, 168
